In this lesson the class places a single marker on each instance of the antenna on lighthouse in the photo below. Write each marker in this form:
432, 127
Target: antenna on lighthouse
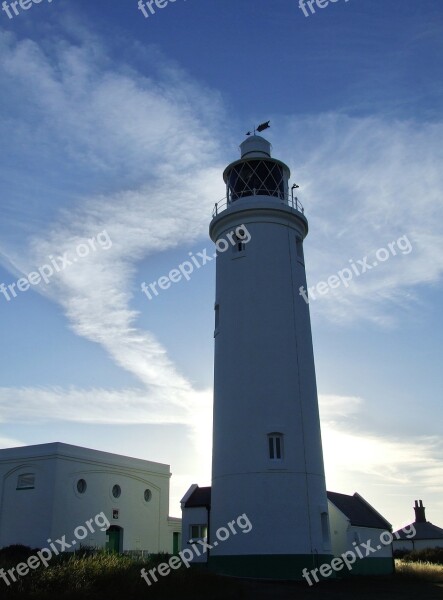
261, 127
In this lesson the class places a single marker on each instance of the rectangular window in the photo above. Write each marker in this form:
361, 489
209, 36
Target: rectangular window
300, 256
199, 532
217, 319
275, 441
26, 481
325, 529
238, 248
271, 448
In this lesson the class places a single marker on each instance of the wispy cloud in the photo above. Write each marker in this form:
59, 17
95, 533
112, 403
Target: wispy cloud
386, 466
365, 183
124, 126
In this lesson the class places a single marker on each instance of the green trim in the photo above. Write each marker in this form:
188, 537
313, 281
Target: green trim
370, 566
267, 566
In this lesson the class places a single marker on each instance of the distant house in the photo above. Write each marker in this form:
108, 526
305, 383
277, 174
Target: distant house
353, 521
426, 535
52, 490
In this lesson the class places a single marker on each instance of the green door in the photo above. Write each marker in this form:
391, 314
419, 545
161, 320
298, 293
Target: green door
175, 542
113, 543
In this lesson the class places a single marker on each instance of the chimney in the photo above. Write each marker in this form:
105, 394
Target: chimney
419, 509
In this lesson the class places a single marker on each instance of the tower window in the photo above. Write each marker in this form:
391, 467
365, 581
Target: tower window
300, 255
217, 318
275, 444
26, 481
325, 529
238, 248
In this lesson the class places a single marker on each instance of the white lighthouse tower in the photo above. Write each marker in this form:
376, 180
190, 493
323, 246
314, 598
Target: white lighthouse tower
267, 451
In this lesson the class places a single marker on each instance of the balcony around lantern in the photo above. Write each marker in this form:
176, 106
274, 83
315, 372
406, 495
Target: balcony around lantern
286, 199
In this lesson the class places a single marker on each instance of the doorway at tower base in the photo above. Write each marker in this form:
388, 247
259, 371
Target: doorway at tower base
267, 566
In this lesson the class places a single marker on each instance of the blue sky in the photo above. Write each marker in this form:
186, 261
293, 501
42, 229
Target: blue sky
117, 127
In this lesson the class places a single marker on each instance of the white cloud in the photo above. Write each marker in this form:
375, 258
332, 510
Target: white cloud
6, 442
366, 182
390, 470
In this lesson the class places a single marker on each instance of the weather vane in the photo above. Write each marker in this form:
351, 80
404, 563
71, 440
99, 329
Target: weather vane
261, 127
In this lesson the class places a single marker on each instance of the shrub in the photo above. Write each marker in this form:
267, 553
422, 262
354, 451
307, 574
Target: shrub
428, 555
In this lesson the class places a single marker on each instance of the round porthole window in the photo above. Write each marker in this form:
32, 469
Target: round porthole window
81, 486
116, 491
147, 495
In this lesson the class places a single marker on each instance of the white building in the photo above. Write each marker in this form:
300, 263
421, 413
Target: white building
354, 522
426, 535
196, 506
52, 490
267, 452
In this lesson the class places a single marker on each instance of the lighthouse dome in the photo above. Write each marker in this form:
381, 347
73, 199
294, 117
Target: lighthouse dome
255, 145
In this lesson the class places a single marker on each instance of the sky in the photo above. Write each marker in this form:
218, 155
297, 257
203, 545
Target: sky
115, 131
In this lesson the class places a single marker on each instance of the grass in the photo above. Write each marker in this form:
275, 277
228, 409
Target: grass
108, 577
420, 570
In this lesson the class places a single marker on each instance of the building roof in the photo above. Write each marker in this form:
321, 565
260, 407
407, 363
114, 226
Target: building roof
359, 512
355, 508
60, 450
201, 496
424, 531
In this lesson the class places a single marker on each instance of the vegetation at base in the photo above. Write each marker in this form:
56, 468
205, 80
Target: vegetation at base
421, 570
89, 575
92, 575
428, 555
425, 564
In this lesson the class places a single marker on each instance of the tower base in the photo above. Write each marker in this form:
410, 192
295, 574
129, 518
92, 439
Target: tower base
282, 567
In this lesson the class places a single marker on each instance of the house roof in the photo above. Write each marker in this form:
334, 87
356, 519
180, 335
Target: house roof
424, 531
201, 496
355, 508
59, 450
359, 512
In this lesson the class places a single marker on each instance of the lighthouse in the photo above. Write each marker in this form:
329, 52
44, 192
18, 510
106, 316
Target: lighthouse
267, 452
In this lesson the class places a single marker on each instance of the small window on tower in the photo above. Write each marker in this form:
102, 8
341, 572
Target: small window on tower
300, 255
239, 241
238, 247
325, 529
275, 444
217, 318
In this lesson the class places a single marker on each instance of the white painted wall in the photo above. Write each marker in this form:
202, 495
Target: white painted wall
343, 536
414, 544
55, 508
265, 382
194, 516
